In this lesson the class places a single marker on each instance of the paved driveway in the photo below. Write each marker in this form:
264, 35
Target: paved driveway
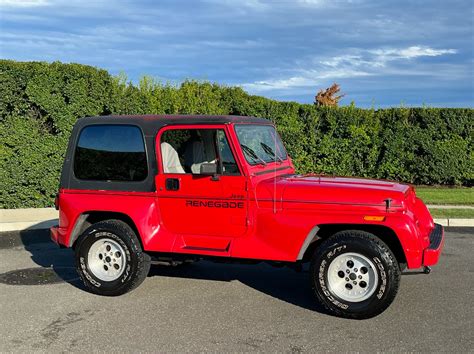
222, 307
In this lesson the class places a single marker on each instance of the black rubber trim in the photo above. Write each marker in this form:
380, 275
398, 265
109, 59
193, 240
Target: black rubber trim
436, 236
272, 170
207, 249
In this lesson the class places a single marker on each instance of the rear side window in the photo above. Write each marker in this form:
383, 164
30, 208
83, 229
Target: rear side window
110, 153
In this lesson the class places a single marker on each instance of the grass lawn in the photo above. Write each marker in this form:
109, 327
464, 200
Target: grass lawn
440, 195
452, 213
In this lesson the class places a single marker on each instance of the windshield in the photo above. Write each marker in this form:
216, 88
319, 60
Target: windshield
260, 144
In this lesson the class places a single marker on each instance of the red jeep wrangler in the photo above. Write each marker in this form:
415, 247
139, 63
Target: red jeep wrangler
137, 189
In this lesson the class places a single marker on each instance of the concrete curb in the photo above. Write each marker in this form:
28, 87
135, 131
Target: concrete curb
455, 222
31, 219
27, 225
444, 206
28, 214
43, 218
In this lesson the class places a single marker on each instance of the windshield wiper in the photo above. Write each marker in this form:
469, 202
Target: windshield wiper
269, 151
253, 155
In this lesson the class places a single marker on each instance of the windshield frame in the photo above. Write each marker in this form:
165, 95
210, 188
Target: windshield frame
281, 154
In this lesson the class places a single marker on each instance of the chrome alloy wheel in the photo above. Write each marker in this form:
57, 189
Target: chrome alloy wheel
352, 277
106, 259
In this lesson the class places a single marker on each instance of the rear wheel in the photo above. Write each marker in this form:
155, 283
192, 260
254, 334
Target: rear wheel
109, 258
354, 274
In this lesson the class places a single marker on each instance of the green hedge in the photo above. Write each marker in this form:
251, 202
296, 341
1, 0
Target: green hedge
39, 103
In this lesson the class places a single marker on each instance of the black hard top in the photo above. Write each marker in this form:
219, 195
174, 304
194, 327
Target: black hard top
151, 123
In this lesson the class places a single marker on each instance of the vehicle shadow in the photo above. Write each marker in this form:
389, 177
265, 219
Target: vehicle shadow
281, 283
56, 265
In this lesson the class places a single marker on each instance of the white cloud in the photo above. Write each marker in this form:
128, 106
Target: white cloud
351, 60
379, 57
311, 2
296, 81
306, 78
249, 4
357, 64
235, 44
321, 3
24, 3
290, 5
410, 52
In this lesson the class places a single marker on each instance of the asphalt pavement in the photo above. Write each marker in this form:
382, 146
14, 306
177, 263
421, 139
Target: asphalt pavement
223, 307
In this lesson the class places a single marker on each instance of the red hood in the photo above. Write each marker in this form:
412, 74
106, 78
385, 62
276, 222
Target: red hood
333, 190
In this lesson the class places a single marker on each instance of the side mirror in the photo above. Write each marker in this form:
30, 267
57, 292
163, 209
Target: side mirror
208, 169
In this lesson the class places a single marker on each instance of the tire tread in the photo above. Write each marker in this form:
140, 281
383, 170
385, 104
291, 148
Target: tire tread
341, 237
143, 260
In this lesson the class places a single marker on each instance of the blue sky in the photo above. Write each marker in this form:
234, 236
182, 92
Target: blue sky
382, 53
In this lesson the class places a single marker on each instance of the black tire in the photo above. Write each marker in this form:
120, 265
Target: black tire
136, 266
386, 269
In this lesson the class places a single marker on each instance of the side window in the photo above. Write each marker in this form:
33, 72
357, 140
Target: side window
229, 166
110, 153
185, 150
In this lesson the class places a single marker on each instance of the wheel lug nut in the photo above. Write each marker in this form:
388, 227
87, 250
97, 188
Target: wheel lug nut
348, 271
360, 276
355, 269
355, 283
347, 279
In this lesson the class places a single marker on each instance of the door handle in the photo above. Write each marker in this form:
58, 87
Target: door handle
172, 184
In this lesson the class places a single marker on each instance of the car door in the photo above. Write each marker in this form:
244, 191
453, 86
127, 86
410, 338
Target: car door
205, 212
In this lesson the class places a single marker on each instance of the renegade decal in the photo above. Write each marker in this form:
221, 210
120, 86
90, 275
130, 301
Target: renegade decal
214, 204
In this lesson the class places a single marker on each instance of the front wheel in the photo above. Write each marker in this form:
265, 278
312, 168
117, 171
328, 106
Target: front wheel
109, 258
354, 274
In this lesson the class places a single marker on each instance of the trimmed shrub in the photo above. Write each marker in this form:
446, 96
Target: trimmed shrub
40, 103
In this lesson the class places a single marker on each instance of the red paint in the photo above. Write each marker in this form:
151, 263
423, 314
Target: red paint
265, 213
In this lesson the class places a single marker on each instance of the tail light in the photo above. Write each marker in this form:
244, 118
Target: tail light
56, 202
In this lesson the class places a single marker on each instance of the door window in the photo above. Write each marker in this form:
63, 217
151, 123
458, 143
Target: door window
185, 150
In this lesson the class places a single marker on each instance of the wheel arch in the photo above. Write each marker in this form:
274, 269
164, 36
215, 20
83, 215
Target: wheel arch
88, 218
323, 231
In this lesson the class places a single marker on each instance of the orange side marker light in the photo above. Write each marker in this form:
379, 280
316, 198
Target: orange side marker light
374, 218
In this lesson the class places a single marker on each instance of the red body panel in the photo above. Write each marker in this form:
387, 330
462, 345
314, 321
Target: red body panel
266, 213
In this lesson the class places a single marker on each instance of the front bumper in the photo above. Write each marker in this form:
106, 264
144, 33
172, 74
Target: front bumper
432, 253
